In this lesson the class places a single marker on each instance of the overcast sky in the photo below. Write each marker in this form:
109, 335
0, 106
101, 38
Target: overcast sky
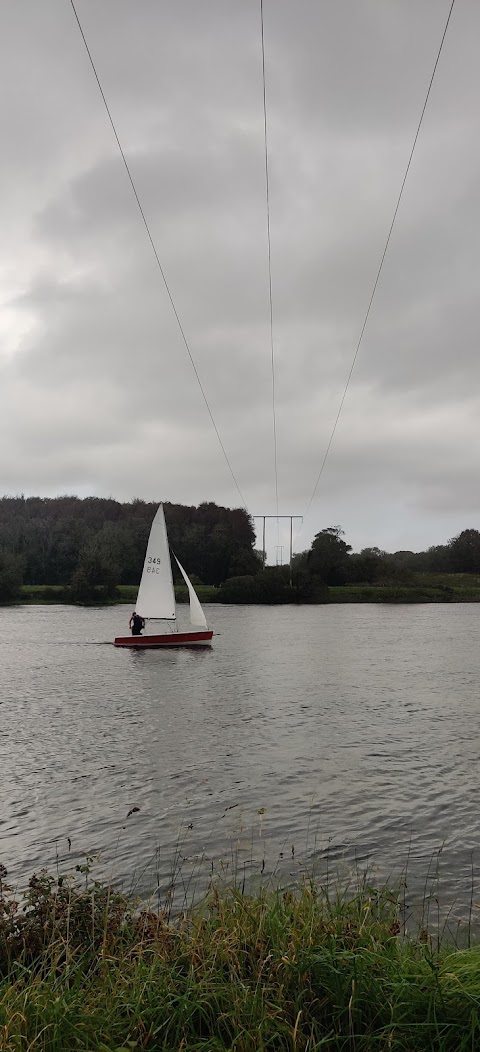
97, 394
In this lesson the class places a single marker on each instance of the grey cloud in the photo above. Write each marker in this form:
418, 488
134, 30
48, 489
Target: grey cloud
100, 395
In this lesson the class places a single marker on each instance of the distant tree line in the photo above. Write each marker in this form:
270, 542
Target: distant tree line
98, 543
91, 545
332, 559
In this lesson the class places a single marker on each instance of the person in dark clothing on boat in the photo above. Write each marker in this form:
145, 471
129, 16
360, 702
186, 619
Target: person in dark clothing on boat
136, 624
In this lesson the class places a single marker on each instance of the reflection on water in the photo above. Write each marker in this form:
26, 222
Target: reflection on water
305, 735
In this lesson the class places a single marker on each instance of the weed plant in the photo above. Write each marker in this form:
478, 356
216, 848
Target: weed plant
82, 967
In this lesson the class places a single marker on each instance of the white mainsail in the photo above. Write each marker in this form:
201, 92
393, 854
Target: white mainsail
197, 616
156, 597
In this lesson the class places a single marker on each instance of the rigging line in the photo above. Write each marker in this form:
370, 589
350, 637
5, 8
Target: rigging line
162, 272
267, 194
381, 263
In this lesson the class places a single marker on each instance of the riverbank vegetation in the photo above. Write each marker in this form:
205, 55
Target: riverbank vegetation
420, 588
81, 967
91, 551
274, 588
123, 593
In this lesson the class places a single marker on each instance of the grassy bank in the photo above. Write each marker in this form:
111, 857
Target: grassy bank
82, 969
421, 588
207, 593
126, 593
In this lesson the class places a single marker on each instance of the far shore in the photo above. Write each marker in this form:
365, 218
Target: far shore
421, 588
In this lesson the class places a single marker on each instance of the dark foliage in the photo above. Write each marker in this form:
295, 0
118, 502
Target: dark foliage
272, 586
328, 556
308, 587
332, 560
60, 915
465, 552
368, 565
92, 545
95, 578
86, 543
11, 575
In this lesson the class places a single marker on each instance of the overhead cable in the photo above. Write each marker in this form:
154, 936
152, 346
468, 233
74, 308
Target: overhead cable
267, 192
157, 258
349, 377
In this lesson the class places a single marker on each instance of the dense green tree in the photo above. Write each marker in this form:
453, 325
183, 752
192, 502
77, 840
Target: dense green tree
299, 561
328, 556
437, 559
211, 542
465, 552
51, 535
245, 561
215, 543
367, 565
11, 575
95, 578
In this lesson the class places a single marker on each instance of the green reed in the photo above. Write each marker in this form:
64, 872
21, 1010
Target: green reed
83, 967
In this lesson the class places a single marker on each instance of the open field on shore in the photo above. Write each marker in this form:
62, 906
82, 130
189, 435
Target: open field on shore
421, 588
127, 593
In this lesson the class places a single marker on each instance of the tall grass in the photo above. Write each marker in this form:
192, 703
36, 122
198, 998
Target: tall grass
82, 968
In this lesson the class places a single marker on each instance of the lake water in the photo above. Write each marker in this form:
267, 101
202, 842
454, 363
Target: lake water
308, 738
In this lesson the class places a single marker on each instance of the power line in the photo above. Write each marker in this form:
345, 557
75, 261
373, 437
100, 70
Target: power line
381, 263
267, 191
162, 272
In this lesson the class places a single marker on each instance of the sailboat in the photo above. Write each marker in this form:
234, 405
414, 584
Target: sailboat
156, 597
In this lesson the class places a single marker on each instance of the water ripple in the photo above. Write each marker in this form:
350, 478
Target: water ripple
343, 733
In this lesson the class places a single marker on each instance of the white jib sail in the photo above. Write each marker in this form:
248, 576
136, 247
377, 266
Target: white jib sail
197, 616
156, 597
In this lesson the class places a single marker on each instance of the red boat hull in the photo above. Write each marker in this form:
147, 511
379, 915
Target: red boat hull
171, 639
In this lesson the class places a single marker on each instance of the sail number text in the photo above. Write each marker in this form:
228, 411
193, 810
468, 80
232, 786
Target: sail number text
153, 564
